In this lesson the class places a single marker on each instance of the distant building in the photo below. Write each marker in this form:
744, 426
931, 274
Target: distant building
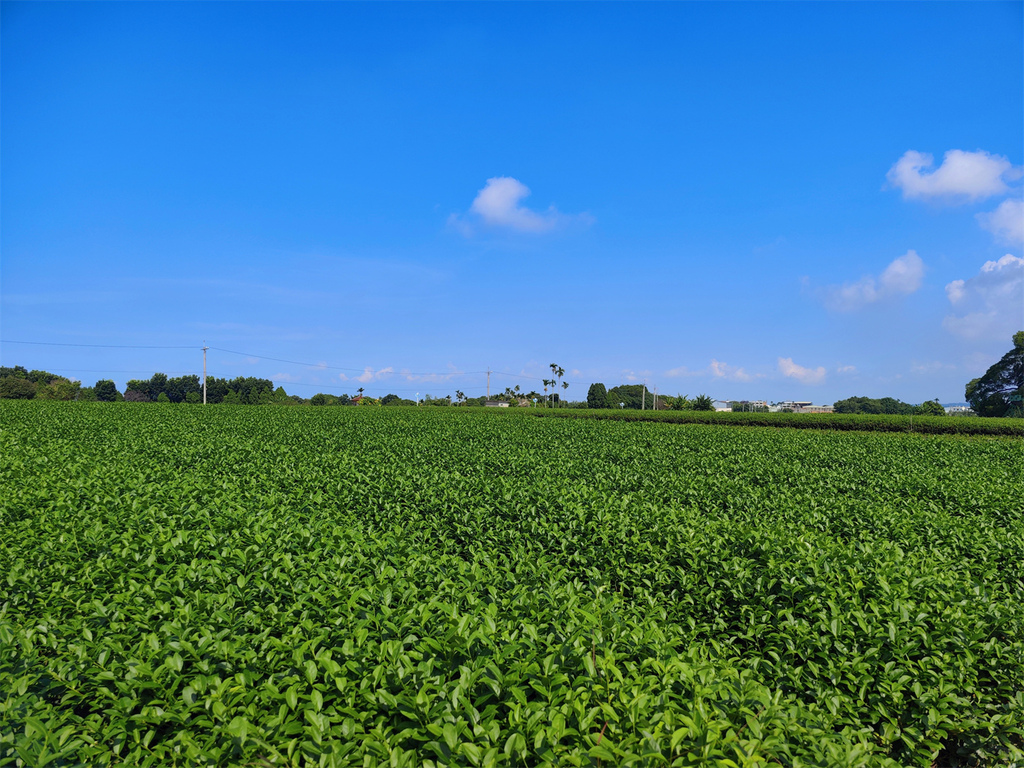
791, 405
815, 409
496, 404
959, 410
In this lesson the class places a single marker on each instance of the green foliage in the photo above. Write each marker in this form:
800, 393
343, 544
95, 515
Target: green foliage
597, 396
58, 389
17, 388
681, 403
17, 383
703, 403
1000, 392
451, 586
747, 407
930, 408
966, 425
887, 405
631, 396
106, 390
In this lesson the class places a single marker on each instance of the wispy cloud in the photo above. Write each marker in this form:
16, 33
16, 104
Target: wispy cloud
368, 375
1006, 222
989, 305
791, 370
680, 372
432, 378
846, 369
499, 206
724, 371
715, 369
903, 276
962, 177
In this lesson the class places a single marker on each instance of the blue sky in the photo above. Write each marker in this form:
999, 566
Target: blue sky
760, 201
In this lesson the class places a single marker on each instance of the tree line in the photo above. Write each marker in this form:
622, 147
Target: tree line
638, 397
1000, 392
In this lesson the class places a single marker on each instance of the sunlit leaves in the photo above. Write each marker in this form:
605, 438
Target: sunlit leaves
371, 587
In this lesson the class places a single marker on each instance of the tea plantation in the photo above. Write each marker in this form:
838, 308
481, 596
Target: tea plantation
183, 585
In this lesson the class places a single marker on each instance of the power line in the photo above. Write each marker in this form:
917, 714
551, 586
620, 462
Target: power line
102, 346
325, 367
105, 370
317, 366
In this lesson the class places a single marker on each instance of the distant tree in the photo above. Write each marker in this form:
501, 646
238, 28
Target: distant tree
681, 403
746, 407
869, 405
157, 387
1000, 392
597, 396
930, 408
318, 399
193, 397
43, 377
703, 403
232, 398
17, 388
163, 398
216, 389
558, 371
58, 389
135, 396
631, 395
106, 390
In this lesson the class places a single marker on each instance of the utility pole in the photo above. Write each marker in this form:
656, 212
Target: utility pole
643, 397
204, 371
488, 383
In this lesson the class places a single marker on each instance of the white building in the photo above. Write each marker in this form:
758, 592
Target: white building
959, 410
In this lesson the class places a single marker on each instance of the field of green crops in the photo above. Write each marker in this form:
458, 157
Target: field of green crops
407, 587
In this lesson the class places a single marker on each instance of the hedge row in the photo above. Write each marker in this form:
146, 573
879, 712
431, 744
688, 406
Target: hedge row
835, 421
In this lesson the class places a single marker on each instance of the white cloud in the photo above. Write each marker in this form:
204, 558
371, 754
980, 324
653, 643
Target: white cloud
368, 375
955, 291
804, 375
717, 369
1006, 222
846, 369
963, 176
931, 367
682, 370
989, 305
431, 378
902, 276
498, 206
724, 371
